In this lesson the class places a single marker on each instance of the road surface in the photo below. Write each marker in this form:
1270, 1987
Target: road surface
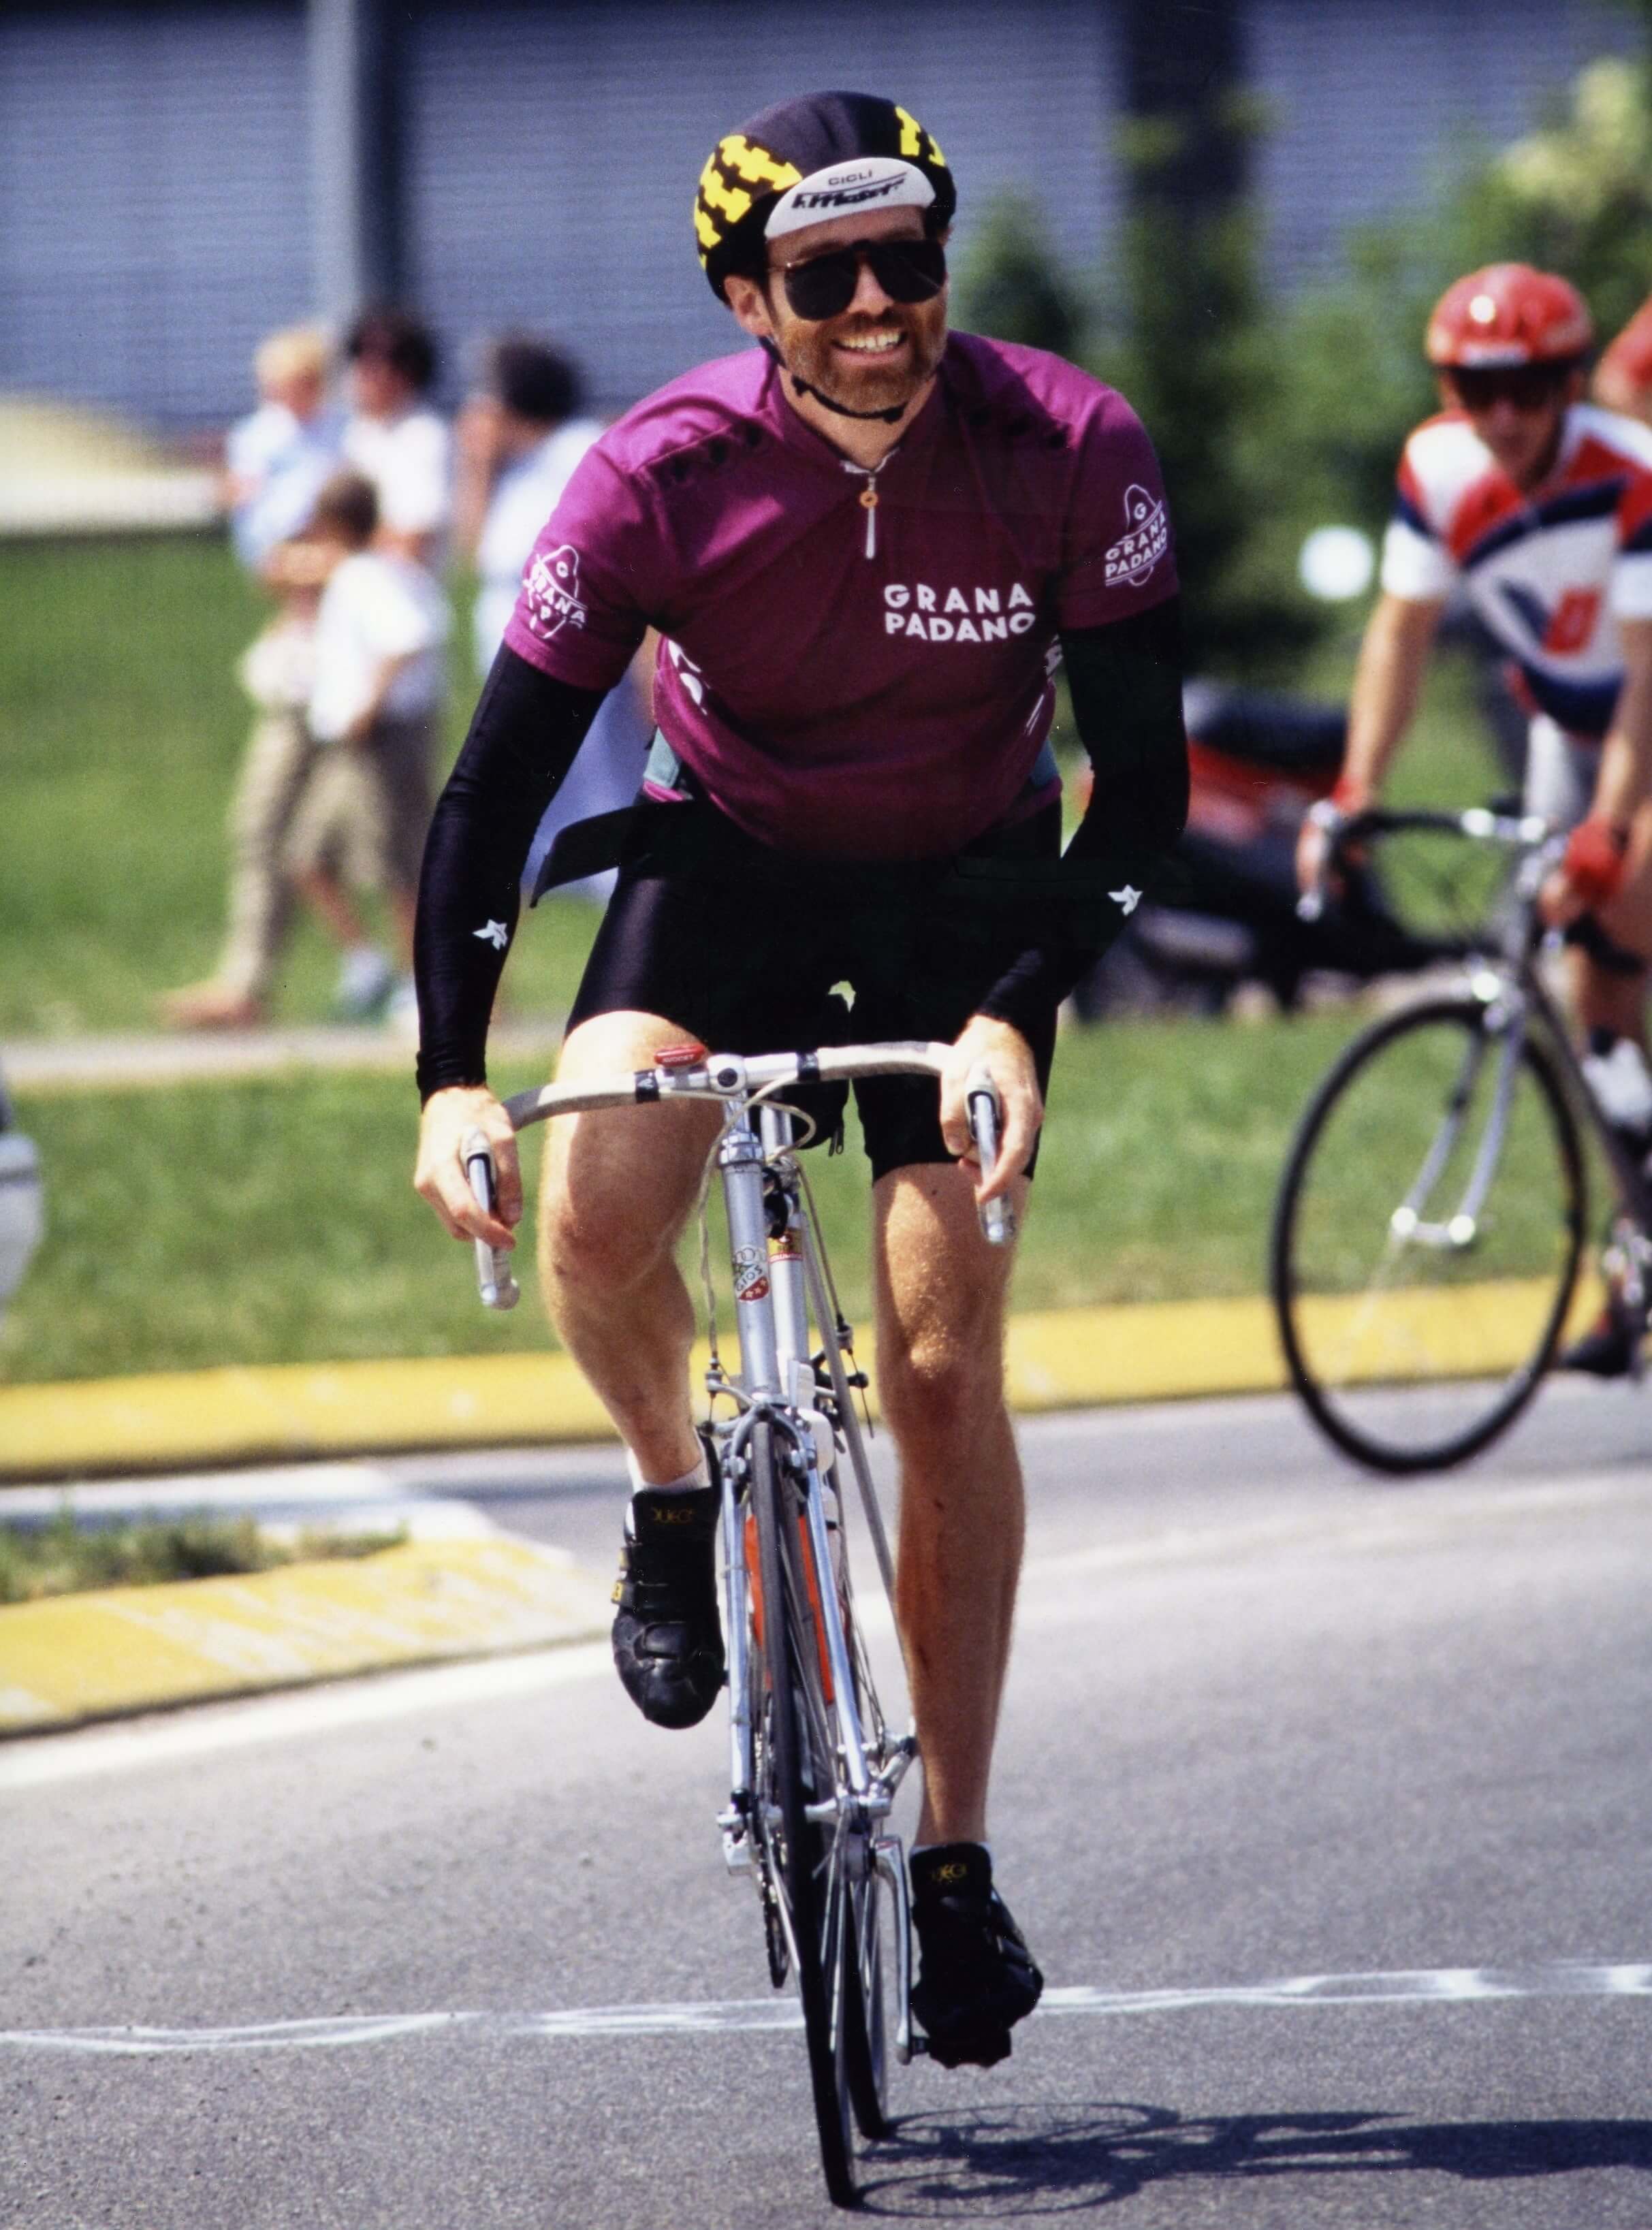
1325, 1804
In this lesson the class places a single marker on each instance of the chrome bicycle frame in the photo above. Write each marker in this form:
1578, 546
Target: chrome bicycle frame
777, 1275
781, 1285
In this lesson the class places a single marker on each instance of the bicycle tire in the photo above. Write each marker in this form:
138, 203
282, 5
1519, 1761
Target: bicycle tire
1413, 1354
865, 1967
864, 1985
796, 1848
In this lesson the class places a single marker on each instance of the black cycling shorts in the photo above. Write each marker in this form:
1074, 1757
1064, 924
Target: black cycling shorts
743, 946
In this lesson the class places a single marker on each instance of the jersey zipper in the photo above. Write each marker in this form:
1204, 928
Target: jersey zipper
870, 493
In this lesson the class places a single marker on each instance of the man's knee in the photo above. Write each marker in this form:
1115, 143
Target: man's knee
599, 1233
942, 1379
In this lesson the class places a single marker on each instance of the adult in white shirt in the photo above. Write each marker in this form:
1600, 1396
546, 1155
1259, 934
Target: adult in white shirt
393, 437
517, 441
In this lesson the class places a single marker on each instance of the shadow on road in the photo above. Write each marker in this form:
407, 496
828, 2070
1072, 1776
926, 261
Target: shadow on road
1052, 2160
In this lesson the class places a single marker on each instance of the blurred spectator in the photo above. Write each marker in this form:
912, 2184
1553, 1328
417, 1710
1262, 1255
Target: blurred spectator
276, 462
517, 441
378, 683
393, 436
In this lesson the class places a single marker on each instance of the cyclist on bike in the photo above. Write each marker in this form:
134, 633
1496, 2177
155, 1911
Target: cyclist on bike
1538, 507
866, 545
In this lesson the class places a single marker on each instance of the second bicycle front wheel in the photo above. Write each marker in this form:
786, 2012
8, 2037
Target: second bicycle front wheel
1427, 1236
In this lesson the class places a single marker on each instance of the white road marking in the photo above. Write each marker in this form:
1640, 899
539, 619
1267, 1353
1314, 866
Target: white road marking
1429, 1986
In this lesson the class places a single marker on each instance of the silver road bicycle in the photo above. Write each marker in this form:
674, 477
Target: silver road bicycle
1432, 1217
815, 1760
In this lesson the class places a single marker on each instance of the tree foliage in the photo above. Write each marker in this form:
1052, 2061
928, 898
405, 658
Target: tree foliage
1575, 196
1270, 419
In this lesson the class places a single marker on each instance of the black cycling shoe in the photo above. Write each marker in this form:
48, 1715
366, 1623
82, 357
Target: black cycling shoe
1608, 1349
667, 1635
976, 1976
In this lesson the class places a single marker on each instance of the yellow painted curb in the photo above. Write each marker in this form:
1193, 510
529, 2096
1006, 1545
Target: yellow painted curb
128, 1649
1142, 1351
276, 1413
1058, 1358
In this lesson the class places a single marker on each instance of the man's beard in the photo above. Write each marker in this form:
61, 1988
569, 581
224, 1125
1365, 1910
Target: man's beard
810, 354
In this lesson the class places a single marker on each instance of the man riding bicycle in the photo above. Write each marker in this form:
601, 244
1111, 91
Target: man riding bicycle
1538, 507
867, 546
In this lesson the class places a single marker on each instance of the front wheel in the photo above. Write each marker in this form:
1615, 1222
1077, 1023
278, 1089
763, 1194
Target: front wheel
1427, 1236
796, 1771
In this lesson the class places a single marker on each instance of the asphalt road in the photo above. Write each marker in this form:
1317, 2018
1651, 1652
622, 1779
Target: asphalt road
1325, 1804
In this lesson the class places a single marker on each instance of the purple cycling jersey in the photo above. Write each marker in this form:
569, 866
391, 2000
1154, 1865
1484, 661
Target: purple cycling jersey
857, 664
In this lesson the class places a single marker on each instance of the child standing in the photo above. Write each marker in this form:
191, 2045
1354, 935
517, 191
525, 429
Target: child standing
372, 715
277, 460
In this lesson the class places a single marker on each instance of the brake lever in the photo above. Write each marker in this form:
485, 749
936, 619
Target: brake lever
496, 1286
982, 1105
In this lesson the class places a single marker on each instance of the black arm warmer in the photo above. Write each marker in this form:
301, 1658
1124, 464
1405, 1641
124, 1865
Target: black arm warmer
1127, 686
523, 738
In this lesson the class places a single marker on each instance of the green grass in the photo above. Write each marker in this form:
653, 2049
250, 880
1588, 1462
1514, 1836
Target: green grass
62, 1558
273, 1221
122, 730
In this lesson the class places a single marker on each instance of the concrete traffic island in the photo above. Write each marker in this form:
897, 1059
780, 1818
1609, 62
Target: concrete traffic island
75, 1658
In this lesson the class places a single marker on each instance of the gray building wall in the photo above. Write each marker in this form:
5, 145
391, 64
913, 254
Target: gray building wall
155, 211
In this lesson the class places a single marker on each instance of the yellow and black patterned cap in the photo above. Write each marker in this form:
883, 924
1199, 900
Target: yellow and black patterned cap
807, 159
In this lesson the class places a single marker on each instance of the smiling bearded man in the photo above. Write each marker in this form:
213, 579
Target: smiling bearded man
866, 550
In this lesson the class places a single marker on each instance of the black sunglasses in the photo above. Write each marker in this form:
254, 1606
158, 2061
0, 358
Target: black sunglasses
1527, 386
908, 271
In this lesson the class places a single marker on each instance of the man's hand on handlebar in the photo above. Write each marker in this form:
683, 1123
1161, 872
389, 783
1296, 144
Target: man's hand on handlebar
1590, 874
1002, 1050
449, 1116
1318, 835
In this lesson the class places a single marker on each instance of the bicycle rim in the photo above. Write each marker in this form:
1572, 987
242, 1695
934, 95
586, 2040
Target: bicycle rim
796, 1769
1427, 1237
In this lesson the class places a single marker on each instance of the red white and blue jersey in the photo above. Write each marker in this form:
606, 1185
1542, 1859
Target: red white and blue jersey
1551, 572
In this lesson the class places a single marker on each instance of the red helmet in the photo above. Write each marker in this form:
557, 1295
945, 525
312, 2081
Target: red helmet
1508, 315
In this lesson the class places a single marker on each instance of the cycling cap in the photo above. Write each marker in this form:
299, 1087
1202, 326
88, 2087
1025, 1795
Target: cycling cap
1508, 315
824, 155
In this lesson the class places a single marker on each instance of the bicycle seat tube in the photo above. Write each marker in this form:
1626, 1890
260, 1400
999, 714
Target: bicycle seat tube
739, 1160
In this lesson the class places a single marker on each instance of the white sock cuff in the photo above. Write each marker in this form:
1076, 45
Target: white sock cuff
699, 1476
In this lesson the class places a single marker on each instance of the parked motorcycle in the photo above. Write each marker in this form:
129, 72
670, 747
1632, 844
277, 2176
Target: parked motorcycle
1227, 915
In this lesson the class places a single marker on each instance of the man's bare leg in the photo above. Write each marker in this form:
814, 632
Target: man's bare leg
941, 1292
941, 1296
618, 1189
1602, 999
